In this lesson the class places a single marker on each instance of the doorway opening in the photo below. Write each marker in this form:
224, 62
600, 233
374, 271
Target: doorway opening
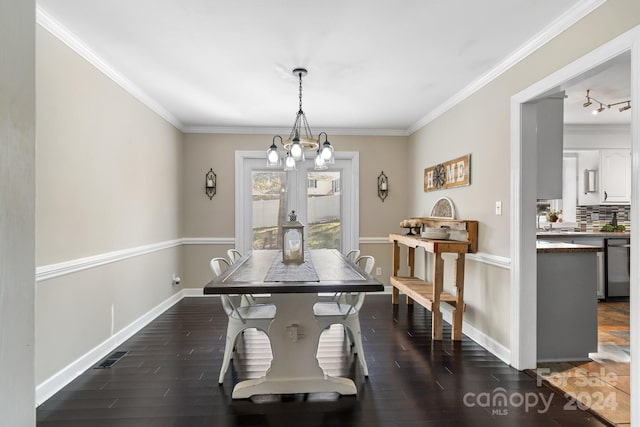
523, 204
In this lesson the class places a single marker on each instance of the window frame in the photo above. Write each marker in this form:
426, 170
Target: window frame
248, 161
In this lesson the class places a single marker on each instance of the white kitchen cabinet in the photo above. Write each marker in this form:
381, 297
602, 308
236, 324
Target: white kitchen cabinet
615, 177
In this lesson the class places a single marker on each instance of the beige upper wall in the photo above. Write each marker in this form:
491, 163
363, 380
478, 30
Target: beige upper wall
109, 168
480, 125
216, 217
109, 174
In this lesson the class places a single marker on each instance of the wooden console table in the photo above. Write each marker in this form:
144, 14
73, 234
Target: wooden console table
431, 294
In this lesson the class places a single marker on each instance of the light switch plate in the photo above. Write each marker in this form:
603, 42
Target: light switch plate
498, 208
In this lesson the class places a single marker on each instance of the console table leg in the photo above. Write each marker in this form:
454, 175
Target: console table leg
395, 295
436, 315
457, 313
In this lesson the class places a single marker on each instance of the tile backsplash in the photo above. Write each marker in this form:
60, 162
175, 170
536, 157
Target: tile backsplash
592, 218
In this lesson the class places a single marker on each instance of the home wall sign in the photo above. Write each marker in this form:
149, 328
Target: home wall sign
454, 173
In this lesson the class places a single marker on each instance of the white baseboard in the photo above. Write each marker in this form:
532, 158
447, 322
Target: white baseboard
488, 343
195, 292
59, 380
56, 382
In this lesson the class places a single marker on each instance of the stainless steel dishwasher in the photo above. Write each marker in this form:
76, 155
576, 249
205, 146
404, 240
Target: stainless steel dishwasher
617, 268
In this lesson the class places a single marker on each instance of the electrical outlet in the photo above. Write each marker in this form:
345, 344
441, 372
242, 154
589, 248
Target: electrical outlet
378, 271
498, 208
175, 279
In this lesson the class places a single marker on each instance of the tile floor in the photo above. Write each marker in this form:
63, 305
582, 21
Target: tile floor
601, 384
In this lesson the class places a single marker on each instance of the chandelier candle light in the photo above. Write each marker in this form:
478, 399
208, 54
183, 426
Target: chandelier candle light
300, 140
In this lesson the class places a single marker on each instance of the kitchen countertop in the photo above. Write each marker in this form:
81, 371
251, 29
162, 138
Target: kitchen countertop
558, 234
559, 247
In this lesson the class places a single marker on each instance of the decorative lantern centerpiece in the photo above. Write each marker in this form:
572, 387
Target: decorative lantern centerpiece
293, 240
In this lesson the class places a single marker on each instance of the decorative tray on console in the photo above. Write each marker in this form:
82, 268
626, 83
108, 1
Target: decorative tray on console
435, 233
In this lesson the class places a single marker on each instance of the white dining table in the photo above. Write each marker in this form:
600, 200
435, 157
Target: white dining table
294, 333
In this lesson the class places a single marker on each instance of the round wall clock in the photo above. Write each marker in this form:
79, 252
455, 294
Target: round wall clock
438, 176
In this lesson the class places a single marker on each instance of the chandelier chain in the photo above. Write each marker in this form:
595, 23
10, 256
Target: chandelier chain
300, 92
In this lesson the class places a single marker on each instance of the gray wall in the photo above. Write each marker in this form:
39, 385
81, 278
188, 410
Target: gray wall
17, 212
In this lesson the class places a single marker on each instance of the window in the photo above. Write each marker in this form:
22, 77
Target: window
264, 197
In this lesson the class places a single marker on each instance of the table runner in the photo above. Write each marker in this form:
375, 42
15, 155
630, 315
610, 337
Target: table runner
281, 272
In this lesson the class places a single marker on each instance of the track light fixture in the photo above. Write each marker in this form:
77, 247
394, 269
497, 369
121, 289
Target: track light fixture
603, 105
626, 107
598, 110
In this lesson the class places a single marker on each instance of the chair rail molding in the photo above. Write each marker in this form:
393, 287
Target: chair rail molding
51, 271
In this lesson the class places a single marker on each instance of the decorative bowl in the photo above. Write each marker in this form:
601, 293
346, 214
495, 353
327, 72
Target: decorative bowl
439, 234
433, 229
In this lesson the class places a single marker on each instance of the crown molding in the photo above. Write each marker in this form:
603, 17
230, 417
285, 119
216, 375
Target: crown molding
563, 22
566, 20
46, 21
281, 131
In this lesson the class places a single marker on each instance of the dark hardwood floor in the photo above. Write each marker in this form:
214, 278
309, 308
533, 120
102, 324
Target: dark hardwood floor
169, 377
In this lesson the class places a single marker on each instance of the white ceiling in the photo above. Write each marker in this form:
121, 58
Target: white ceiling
375, 67
609, 83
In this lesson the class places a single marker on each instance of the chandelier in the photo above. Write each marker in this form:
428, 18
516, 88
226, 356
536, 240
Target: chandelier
300, 140
591, 100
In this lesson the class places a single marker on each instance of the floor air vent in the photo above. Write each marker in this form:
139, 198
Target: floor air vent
111, 360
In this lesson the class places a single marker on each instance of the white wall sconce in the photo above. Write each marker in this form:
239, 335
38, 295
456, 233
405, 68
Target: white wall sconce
210, 183
383, 186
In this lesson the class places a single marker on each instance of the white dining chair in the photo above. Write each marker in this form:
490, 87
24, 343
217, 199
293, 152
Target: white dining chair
353, 255
257, 316
233, 255
246, 299
331, 313
216, 265
366, 262
246, 316
342, 308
